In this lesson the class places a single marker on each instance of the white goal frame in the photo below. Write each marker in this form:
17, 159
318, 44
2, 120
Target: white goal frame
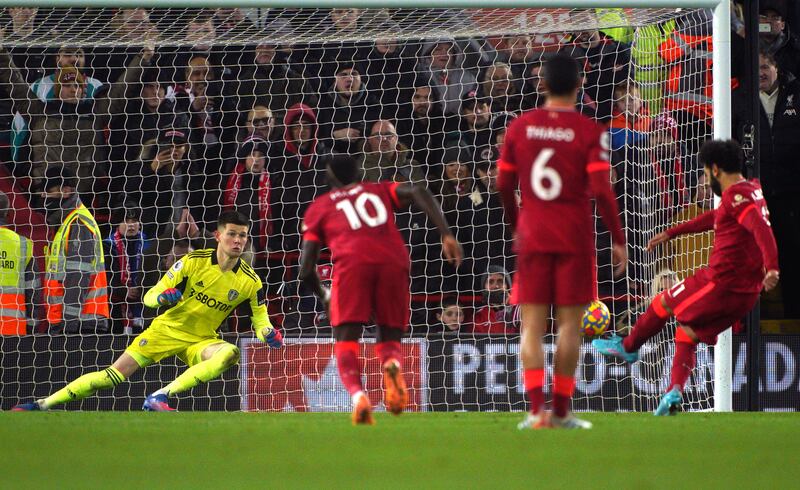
723, 401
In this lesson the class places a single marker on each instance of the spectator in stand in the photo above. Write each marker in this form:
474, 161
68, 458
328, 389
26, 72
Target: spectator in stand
453, 72
450, 317
517, 51
247, 190
158, 185
125, 262
268, 82
260, 123
45, 88
690, 252
493, 236
463, 204
385, 158
500, 89
606, 63
389, 75
779, 138
129, 28
533, 91
231, 23
630, 119
779, 40
297, 178
345, 108
473, 131
422, 128
497, 316
671, 164
67, 131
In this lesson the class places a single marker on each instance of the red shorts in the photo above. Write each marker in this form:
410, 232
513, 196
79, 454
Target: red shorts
370, 294
555, 279
706, 308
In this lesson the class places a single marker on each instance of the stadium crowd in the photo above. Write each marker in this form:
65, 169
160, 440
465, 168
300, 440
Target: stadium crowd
163, 139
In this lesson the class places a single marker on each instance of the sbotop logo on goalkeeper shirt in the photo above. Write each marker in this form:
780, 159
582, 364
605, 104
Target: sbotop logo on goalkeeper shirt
212, 302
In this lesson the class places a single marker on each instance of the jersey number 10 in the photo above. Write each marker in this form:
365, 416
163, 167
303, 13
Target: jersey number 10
358, 214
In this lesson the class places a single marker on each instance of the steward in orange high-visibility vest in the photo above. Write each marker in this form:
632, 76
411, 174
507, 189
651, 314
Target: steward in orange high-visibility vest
18, 283
76, 288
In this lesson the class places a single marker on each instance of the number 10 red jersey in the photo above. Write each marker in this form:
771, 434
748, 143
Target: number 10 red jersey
357, 223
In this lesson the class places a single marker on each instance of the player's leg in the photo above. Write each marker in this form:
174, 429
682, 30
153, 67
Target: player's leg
648, 325
348, 363
568, 345
391, 309
87, 385
682, 364
395, 394
206, 360
533, 328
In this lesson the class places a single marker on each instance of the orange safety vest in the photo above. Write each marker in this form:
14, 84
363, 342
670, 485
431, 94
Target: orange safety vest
691, 92
16, 252
95, 302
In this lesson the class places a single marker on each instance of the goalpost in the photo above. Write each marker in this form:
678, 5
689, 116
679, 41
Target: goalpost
228, 73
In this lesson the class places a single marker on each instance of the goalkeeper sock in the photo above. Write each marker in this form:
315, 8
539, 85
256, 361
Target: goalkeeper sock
84, 386
683, 362
349, 365
204, 371
534, 381
647, 325
563, 388
388, 350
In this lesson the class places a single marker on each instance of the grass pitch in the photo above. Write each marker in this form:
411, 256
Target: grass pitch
439, 450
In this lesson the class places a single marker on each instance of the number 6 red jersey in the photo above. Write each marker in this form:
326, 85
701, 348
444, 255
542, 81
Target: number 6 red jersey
560, 158
357, 223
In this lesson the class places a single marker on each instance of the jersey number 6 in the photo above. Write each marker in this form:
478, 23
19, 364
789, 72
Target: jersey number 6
541, 172
358, 213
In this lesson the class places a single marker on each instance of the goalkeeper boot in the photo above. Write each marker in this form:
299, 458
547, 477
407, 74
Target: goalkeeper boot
612, 347
670, 403
157, 403
27, 407
569, 422
537, 421
362, 410
395, 394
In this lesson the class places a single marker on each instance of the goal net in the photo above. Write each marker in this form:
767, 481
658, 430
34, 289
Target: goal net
169, 117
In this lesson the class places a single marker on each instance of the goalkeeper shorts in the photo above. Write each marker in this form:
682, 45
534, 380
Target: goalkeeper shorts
161, 341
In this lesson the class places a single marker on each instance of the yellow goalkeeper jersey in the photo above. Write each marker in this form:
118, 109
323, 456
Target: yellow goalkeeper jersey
209, 295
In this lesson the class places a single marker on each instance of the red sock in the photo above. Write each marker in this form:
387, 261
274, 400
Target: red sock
683, 362
563, 388
388, 350
647, 325
349, 365
534, 380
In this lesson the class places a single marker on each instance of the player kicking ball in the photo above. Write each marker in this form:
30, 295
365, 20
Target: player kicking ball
370, 275
203, 289
744, 260
559, 159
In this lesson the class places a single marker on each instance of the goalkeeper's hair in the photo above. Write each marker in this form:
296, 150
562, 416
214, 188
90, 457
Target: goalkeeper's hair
561, 74
344, 168
726, 154
232, 218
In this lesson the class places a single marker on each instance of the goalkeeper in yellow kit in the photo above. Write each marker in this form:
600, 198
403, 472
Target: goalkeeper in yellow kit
203, 288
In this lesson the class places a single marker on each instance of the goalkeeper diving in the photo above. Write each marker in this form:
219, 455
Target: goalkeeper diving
201, 290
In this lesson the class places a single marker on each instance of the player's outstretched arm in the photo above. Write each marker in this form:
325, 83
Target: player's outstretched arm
422, 197
757, 224
262, 326
167, 292
308, 271
704, 222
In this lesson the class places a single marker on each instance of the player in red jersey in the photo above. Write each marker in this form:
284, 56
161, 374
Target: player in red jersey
744, 260
559, 159
370, 274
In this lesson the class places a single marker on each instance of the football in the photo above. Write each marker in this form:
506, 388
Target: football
595, 319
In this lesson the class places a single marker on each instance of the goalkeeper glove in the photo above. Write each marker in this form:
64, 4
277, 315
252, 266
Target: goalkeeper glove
170, 296
273, 338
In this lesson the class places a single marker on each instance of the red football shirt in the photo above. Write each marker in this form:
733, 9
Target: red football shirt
357, 223
554, 154
744, 246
